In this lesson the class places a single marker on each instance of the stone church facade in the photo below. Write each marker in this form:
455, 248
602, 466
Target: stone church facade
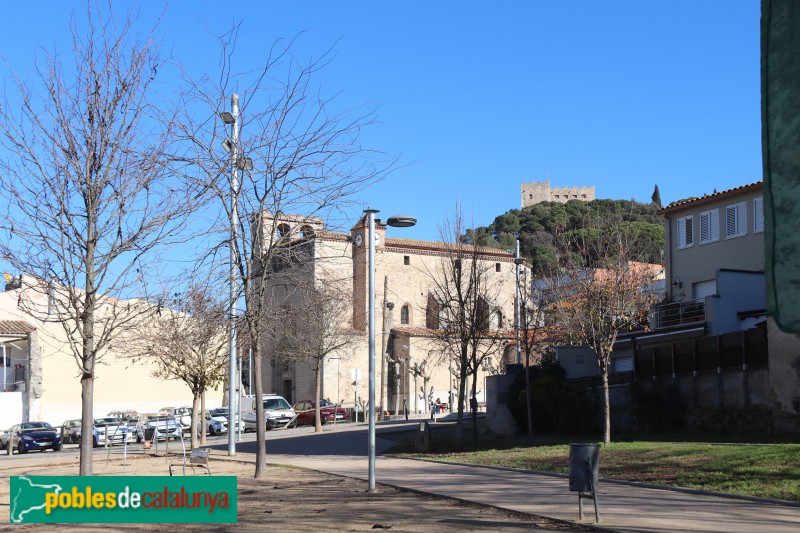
534, 192
411, 364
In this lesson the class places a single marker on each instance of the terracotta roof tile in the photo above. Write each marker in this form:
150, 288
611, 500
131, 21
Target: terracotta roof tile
15, 327
675, 206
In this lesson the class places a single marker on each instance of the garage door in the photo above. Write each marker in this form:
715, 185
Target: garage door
705, 288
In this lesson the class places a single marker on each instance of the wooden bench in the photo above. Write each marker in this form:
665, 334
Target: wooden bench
198, 458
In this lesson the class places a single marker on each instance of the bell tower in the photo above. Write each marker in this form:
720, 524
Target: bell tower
359, 235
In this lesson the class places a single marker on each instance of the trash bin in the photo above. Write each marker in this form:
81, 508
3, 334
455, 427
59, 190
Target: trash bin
584, 467
149, 435
584, 471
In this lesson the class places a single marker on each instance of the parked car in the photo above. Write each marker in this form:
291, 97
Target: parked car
328, 412
71, 431
30, 436
165, 427
130, 416
111, 430
182, 414
277, 412
217, 421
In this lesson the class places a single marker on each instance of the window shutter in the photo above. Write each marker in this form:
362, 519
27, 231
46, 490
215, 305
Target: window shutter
705, 222
758, 214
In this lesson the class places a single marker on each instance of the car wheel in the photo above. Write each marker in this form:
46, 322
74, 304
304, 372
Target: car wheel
95, 444
21, 448
58, 447
212, 431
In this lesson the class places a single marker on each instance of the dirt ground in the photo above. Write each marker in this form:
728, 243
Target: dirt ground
295, 499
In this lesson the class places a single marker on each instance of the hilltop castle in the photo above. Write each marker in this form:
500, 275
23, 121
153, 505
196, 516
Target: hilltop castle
540, 191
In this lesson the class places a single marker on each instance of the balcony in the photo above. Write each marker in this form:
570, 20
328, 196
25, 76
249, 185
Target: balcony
678, 313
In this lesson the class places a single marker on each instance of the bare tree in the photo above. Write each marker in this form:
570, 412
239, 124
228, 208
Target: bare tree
464, 294
91, 191
316, 327
306, 160
186, 340
600, 291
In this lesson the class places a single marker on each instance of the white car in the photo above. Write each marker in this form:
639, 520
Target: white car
111, 430
217, 421
182, 414
164, 426
277, 412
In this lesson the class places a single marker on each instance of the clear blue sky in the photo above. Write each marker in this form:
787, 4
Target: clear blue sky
478, 97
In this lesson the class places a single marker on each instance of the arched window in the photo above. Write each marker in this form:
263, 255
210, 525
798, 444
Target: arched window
404, 314
283, 231
307, 231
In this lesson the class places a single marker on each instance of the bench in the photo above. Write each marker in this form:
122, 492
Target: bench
198, 458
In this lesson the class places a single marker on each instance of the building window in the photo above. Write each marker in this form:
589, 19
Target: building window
709, 226
530, 197
497, 267
758, 214
406, 260
685, 232
404, 315
735, 220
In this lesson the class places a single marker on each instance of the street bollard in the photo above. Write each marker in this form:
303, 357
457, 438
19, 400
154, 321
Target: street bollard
422, 442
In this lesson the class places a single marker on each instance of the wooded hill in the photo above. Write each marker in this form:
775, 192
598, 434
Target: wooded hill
537, 226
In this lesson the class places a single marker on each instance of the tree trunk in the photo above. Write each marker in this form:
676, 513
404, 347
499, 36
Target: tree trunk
606, 407
461, 394
258, 385
317, 392
474, 395
87, 424
196, 420
203, 413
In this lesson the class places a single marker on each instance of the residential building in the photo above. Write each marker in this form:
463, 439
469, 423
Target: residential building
708, 342
41, 380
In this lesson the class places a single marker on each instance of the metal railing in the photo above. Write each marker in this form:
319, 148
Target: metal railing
676, 313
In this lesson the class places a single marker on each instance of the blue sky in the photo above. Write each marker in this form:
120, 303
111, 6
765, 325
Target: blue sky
477, 97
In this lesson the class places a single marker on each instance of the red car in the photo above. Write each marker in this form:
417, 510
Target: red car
305, 412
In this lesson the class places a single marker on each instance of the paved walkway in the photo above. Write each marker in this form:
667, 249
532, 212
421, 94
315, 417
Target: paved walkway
623, 507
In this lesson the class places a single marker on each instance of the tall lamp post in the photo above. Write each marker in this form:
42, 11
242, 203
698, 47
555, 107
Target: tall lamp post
237, 163
400, 221
517, 262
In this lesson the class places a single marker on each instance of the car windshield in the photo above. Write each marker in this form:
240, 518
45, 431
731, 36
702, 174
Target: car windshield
35, 426
325, 403
218, 412
108, 421
276, 403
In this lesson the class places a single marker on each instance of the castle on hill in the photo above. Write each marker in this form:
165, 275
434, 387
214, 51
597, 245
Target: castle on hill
535, 192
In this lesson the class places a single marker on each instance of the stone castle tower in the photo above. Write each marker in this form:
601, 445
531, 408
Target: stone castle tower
540, 191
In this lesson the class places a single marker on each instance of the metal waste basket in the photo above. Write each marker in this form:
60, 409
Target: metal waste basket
149, 435
584, 471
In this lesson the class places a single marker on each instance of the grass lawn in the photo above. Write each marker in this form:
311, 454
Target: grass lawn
770, 470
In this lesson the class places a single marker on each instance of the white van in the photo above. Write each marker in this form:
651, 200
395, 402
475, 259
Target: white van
277, 411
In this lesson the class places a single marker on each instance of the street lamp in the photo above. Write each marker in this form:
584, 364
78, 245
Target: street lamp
231, 146
517, 262
400, 221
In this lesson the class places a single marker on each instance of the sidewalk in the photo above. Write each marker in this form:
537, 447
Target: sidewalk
623, 506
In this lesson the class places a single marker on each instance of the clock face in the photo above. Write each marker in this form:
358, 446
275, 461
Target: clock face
359, 239
377, 239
